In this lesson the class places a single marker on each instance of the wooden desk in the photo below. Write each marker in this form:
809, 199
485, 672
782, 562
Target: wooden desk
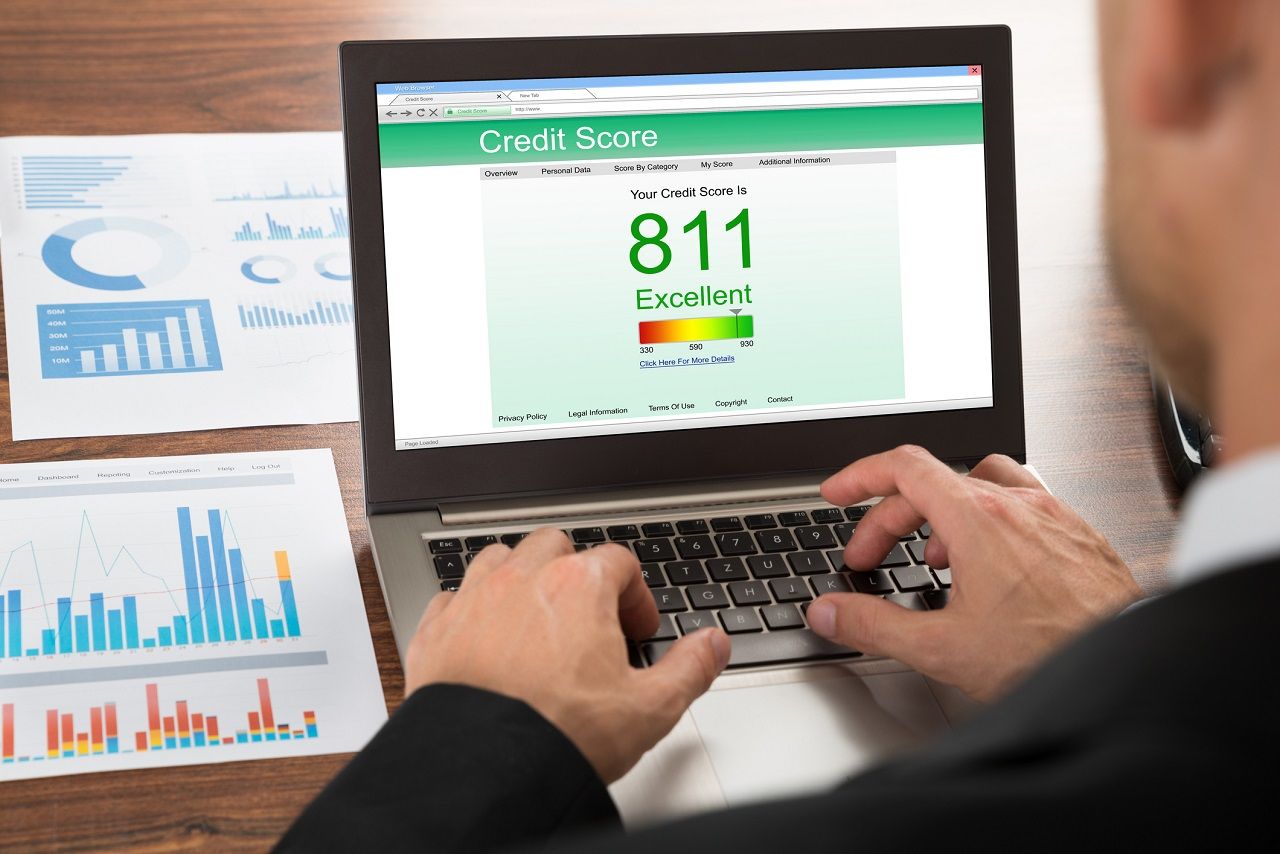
143, 66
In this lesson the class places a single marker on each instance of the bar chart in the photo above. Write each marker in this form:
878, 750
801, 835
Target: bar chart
96, 181
127, 338
286, 192
158, 726
274, 229
216, 588
277, 314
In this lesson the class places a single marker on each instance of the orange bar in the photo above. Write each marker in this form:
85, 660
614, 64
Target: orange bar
184, 723
168, 727
82, 743
51, 721
197, 723
228, 740
213, 727
95, 728
264, 698
282, 566
6, 747
255, 723
112, 732
68, 733
153, 714
140, 742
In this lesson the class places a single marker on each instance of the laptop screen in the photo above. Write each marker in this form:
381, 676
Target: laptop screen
590, 256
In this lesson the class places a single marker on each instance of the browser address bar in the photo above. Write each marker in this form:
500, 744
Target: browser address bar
721, 102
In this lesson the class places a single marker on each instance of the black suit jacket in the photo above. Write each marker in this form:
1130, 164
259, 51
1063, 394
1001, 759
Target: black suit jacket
1158, 728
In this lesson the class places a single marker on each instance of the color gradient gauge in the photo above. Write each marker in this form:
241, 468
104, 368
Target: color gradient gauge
690, 329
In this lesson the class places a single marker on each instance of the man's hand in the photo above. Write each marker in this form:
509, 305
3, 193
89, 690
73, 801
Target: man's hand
545, 625
1028, 574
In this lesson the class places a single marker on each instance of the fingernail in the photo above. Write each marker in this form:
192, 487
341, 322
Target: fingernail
721, 646
822, 618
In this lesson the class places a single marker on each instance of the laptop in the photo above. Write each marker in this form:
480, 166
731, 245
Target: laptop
653, 290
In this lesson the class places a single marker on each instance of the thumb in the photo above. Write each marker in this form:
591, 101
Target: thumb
872, 625
687, 670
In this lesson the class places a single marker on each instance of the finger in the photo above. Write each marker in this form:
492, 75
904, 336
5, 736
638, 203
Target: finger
1005, 471
935, 553
620, 571
687, 670
489, 559
930, 487
540, 548
879, 530
434, 608
875, 626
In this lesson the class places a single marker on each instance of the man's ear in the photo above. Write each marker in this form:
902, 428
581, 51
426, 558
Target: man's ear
1181, 55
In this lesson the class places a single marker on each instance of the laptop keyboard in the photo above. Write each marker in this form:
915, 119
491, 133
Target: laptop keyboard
753, 575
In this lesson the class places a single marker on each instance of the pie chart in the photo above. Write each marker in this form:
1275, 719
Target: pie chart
58, 256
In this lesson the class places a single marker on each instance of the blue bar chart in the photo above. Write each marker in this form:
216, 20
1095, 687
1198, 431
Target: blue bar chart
69, 181
278, 314
273, 229
124, 338
286, 192
221, 605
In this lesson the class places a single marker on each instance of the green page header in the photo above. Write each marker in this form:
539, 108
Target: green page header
670, 134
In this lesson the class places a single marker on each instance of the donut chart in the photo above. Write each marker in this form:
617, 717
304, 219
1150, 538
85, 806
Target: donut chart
287, 269
323, 268
57, 254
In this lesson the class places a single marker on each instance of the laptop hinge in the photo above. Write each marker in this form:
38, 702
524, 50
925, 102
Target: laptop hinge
631, 500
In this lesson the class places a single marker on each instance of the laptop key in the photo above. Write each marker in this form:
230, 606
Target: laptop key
936, 600
470, 556
669, 600
588, 535
623, 532
693, 526
768, 566
912, 577
690, 623
916, 549
856, 512
758, 521
844, 532
808, 563
450, 586
726, 569
827, 515
475, 544
666, 629
683, 572
450, 566
651, 550
872, 581
943, 576
739, 620
776, 540
513, 540
926, 531
910, 601
782, 617
453, 544
724, 524
658, 529
789, 590
698, 546
793, 518
897, 556
652, 575
732, 545
815, 537
707, 596
750, 650
832, 582
749, 593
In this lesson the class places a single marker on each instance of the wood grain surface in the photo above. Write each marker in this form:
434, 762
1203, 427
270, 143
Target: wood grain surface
147, 66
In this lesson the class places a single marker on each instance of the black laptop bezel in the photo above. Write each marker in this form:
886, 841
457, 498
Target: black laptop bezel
423, 478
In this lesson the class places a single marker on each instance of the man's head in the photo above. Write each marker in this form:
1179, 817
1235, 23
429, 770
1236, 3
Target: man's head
1192, 97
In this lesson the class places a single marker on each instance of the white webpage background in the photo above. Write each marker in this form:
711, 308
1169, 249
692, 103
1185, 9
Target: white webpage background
437, 305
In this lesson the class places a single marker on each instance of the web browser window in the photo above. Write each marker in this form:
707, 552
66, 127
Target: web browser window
589, 256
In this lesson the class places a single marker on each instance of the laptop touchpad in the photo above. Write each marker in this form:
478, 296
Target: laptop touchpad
796, 737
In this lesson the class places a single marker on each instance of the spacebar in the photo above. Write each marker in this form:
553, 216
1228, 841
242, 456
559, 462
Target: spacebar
767, 648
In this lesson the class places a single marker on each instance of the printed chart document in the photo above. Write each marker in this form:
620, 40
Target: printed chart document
176, 282
176, 611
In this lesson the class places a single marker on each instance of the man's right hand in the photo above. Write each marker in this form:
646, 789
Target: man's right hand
1028, 573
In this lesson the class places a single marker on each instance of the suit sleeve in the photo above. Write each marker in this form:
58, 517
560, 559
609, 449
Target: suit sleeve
457, 769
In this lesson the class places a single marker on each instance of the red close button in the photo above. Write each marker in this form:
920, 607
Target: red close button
975, 70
